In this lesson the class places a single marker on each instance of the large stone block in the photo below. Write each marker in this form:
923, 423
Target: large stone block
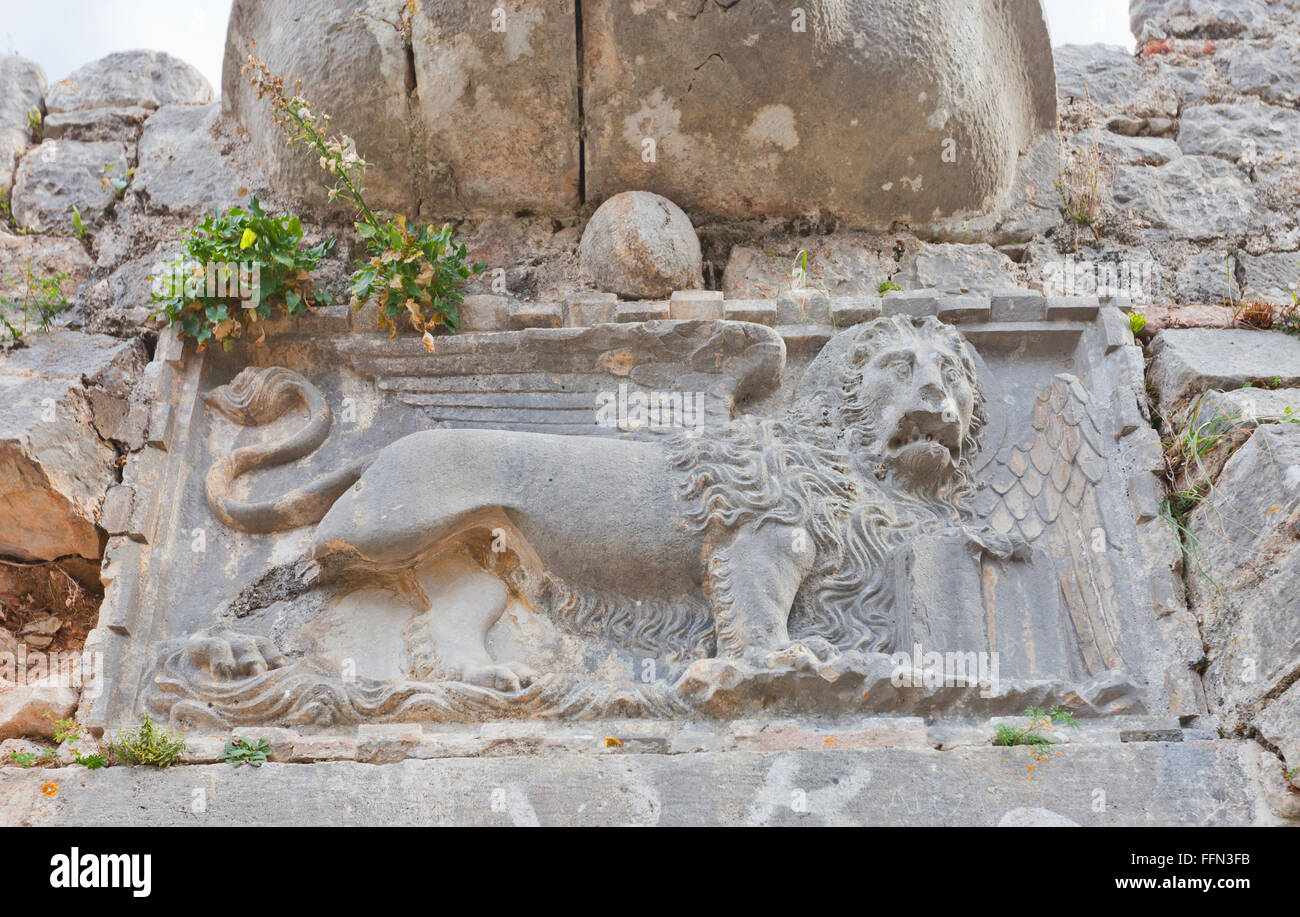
868, 111
181, 167
1188, 361
1244, 572
1194, 197
60, 175
842, 108
1239, 131
1164, 783
125, 78
56, 463
22, 88
461, 106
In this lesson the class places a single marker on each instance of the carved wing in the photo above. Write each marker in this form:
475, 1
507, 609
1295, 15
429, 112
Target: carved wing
1044, 489
552, 380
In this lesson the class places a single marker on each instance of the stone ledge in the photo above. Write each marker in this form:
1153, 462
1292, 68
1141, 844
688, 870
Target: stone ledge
1142, 783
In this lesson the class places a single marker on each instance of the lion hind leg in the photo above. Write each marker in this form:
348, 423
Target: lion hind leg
449, 639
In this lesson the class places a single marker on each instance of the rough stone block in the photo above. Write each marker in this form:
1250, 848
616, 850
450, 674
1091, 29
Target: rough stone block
696, 304
910, 302
1189, 361
963, 309
1017, 306
536, 315
590, 308
760, 311
642, 311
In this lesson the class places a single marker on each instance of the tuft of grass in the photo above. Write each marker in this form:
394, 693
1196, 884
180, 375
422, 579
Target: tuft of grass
241, 751
147, 744
1136, 322
886, 286
1039, 719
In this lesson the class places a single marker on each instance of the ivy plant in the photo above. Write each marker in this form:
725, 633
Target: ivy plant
238, 268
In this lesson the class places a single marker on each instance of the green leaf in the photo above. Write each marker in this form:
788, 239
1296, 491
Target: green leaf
247, 239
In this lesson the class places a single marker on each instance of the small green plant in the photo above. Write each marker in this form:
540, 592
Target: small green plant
241, 751
799, 270
71, 732
35, 124
147, 744
412, 272
116, 182
31, 758
78, 226
239, 267
1136, 322
39, 301
886, 286
1039, 719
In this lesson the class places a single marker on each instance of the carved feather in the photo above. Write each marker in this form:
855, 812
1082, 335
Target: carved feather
1043, 489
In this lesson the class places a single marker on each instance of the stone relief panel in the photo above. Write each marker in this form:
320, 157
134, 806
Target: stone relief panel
659, 519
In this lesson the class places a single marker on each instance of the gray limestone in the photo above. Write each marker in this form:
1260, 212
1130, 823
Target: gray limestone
57, 463
1194, 197
1191, 783
641, 246
60, 175
1239, 131
124, 78
1188, 361
22, 88
181, 168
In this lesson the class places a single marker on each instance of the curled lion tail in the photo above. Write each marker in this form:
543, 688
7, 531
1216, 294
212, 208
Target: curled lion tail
257, 396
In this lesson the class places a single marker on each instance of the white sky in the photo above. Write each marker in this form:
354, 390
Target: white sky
61, 35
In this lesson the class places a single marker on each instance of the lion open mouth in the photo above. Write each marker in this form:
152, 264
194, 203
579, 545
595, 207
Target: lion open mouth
925, 445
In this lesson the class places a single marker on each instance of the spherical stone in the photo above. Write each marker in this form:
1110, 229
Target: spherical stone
641, 246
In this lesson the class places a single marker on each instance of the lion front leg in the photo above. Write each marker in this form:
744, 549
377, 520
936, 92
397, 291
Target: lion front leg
752, 583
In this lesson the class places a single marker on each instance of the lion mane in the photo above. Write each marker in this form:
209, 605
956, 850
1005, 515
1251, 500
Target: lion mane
806, 471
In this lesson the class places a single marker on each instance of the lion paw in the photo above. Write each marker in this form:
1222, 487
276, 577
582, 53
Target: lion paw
506, 677
230, 656
802, 655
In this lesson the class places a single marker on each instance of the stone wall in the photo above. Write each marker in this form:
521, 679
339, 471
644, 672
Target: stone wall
1174, 192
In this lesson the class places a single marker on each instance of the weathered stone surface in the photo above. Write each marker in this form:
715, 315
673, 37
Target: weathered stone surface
22, 88
29, 711
1146, 783
56, 465
1279, 725
1205, 278
1151, 151
1193, 197
1108, 81
842, 264
97, 124
148, 79
1270, 71
47, 255
181, 168
1247, 572
1220, 19
747, 113
1241, 130
955, 268
456, 113
641, 246
1273, 277
1188, 361
59, 175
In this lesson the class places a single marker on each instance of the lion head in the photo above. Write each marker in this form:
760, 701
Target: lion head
876, 451
900, 395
